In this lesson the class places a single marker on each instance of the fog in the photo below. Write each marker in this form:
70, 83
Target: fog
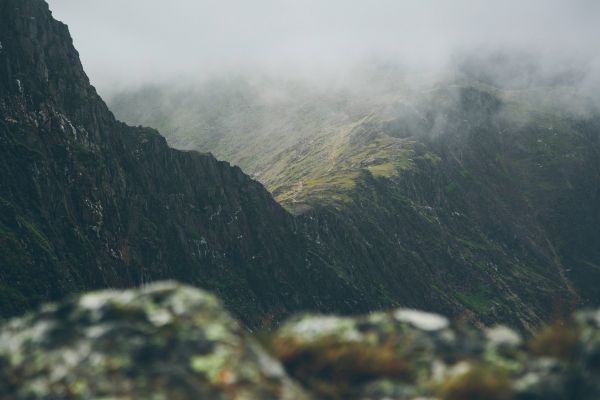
131, 43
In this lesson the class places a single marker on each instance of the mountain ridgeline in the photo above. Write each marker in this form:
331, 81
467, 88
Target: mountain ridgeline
87, 201
463, 199
460, 195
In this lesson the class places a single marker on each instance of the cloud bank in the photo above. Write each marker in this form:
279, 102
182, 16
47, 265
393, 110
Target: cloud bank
137, 42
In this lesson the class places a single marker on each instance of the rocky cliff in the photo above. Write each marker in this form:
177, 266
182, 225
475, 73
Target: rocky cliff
169, 341
89, 202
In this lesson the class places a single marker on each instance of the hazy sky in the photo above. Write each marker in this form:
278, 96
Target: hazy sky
131, 42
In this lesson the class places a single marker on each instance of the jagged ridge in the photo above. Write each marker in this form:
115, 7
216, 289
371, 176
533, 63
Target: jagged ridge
89, 202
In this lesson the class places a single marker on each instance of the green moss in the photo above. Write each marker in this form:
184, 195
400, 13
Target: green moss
332, 189
432, 158
36, 233
479, 301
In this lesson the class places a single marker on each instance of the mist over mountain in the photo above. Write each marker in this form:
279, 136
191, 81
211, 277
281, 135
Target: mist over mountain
436, 155
127, 45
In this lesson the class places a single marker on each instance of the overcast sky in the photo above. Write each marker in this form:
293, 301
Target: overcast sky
131, 42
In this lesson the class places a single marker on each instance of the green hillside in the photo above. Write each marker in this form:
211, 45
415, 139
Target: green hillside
456, 193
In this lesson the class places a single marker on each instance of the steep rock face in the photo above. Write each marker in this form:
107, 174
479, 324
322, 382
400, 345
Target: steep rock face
424, 253
88, 202
497, 213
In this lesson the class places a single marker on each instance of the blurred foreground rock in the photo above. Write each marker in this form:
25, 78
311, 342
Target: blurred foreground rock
169, 341
165, 341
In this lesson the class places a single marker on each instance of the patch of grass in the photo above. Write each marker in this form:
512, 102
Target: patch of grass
479, 301
323, 170
331, 189
432, 158
331, 368
479, 383
39, 237
386, 170
558, 340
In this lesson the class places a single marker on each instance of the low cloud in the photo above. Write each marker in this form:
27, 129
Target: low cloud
139, 42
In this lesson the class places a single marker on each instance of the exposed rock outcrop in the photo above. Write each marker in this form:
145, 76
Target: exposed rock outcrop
89, 202
165, 341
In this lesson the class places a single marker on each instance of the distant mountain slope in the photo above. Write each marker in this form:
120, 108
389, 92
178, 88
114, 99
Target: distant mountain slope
488, 198
87, 201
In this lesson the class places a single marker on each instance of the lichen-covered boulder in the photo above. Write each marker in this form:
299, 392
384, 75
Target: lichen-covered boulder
378, 356
409, 354
169, 341
164, 341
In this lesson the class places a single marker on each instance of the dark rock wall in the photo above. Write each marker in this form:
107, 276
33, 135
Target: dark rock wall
88, 202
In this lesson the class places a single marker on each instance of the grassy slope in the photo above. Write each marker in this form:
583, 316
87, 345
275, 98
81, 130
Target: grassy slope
462, 194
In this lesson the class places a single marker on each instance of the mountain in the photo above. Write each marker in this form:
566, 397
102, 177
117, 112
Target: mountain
89, 202
457, 195
434, 201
